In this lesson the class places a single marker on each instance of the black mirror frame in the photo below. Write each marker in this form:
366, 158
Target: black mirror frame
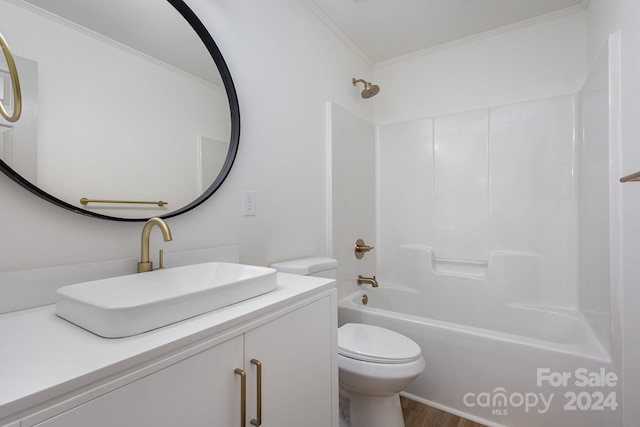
234, 108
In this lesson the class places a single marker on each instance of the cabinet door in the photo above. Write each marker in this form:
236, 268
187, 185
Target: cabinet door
296, 356
202, 390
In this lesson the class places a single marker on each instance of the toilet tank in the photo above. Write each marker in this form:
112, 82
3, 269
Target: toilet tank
311, 266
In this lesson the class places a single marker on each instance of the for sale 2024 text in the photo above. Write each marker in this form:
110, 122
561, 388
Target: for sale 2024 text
597, 395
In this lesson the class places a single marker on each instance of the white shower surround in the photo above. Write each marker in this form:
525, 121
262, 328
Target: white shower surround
475, 183
499, 252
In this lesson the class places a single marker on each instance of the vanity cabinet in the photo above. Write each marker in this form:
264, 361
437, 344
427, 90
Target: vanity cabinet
197, 391
201, 385
298, 367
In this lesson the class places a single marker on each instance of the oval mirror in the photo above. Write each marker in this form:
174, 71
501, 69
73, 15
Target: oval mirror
128, 108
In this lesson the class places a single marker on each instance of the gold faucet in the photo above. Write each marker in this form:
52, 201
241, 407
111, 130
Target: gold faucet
145, 264
370, 280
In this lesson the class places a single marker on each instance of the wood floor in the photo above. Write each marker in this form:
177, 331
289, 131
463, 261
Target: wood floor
419, 415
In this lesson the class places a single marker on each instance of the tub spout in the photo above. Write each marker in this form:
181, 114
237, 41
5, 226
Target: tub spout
370, 280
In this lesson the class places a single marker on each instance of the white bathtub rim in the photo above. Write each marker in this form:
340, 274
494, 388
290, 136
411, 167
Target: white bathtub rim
591, 350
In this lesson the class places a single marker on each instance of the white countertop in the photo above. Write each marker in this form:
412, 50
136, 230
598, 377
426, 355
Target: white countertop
44, 356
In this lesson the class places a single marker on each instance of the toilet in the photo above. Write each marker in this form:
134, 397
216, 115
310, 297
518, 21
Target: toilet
374, 363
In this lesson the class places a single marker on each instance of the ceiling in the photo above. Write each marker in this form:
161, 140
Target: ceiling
385, 29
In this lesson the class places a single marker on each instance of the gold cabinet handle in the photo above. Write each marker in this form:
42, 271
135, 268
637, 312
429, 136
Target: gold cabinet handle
243, 396
258, 421
15, 84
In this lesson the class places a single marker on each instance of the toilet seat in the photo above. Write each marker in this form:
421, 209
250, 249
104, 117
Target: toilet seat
373, 344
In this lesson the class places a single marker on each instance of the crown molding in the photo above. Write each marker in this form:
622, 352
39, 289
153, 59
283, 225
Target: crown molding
337, 31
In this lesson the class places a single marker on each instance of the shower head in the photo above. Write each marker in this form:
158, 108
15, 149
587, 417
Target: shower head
369, 90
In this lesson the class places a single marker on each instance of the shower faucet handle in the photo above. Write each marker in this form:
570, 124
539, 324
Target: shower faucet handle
361, 248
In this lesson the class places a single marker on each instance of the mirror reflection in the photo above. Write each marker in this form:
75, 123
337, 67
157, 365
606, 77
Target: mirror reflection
121, 101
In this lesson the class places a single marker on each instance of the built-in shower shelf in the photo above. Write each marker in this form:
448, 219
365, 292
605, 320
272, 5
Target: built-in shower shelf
460, 267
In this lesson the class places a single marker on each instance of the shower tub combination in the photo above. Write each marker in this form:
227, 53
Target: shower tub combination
490, 360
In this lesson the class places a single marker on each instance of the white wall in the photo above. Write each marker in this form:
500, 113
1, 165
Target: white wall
606, 17
285, 65
353, 195
535, 61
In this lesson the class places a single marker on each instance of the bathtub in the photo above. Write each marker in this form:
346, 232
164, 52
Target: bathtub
495, 363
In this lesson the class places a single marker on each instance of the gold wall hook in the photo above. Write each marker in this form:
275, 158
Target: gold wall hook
361, 248
15, 84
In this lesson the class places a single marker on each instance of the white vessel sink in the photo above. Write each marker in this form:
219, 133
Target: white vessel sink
129, 305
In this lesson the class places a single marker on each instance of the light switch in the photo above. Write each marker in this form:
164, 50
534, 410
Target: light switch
249, 203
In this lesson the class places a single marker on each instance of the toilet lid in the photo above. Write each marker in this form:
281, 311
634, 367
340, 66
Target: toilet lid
374, 344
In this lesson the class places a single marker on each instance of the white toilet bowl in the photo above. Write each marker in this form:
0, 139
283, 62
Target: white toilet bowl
374, 365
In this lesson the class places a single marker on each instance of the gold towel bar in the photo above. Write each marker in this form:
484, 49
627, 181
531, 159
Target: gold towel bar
15, 84
86, 201
631, 178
